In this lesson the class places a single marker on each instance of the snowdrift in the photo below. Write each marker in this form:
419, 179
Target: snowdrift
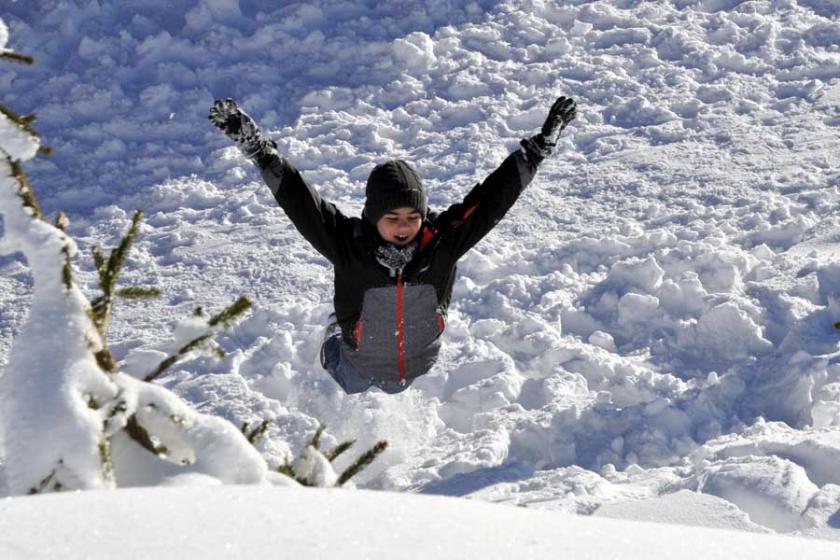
258, 522
654, 317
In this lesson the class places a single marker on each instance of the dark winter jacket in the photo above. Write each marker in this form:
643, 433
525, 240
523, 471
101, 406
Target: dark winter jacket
391, 322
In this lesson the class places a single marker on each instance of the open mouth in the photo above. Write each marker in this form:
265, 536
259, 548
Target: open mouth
401, 238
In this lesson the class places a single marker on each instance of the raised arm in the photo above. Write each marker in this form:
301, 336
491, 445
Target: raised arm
464, 224
317, 220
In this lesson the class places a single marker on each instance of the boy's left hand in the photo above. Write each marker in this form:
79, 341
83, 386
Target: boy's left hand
562, 112
538, 147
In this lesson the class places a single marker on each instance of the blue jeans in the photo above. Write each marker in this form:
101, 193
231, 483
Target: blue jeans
334, 360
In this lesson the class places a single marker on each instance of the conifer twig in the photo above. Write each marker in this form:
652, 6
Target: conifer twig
25, 191
339, 449
137, 292
46, 481
224, 318
118, 255
67, 269
180, 353
139, 434
286, 468
316, 438
25, 123
62, 222
227, 316
257, 433
109, 271
362, 462
17, 57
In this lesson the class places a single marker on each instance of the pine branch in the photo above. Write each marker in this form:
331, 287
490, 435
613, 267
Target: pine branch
109, 271
316, 438
180, 353
136, 292
362, 462
67, 269
118, 255
25, 123
99, 261
105, 360
257, 433
340, 448
837, 325
16, 57
139, 434
62, 222
46, 482
227, 316
286, 468
25, 191
105, 459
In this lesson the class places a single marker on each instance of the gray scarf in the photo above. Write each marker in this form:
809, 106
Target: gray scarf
395, 258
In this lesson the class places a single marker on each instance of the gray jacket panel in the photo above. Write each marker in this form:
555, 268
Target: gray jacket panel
378, 332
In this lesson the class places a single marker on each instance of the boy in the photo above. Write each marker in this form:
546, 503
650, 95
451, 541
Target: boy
394, 266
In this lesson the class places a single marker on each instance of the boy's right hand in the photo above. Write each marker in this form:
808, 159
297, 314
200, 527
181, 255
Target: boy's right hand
227, 116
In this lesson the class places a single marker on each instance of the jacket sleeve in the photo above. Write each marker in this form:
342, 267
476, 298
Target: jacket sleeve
464, 224
319, 221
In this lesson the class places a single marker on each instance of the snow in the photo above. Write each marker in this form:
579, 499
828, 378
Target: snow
648, 334
252, 521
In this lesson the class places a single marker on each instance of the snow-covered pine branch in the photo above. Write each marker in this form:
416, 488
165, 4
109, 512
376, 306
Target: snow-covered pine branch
70, 417
63, 402
51, 382
198, 333
313, 466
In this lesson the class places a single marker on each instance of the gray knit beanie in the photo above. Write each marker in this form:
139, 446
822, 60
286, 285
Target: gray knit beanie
393, 184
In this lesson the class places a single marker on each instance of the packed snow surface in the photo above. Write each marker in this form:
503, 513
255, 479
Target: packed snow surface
259, 522
648, 331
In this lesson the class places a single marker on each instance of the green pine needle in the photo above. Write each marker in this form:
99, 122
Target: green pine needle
107, 464
255, 435
139, 434
286, 468
25, 192
174, 358
118, 255
316, 438
67, 269
99, 261
137, 292
340, 448
17, 57
45, 484
62, 222
362, 462
227, 316
105, 360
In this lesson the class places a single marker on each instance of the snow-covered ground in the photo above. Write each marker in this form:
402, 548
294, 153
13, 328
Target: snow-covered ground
257, 522
647, 335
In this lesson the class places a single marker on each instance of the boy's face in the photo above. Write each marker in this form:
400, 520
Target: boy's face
400, 226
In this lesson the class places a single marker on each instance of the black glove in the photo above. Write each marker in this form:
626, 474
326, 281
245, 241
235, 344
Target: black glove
537, 148
241, 128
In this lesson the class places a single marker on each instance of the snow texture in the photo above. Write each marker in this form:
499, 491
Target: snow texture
652, 320
256, 522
